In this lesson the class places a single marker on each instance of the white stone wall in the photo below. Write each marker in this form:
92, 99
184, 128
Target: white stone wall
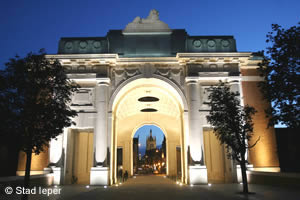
190, 79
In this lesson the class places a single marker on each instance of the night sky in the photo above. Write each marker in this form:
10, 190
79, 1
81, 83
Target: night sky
28, 25
33, 24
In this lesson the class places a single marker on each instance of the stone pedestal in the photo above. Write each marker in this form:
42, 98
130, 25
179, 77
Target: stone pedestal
239, 172
198, 174
47, 170
99, 176
56, 174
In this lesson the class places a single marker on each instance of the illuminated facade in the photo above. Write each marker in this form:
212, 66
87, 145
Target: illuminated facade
172, 71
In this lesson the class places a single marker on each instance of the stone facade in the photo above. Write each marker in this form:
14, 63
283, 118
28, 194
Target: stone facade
116, 70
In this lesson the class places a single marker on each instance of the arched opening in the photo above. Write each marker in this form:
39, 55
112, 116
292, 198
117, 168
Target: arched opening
149, 151
148, 102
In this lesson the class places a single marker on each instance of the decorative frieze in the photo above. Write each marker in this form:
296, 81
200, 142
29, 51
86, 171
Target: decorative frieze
218, 69
120, 74
176, 74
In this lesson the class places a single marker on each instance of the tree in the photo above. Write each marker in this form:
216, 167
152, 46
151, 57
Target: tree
8, 142
41, 93
232, 124
281, 71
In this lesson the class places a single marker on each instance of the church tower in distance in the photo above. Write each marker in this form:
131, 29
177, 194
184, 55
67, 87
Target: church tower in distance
151, 142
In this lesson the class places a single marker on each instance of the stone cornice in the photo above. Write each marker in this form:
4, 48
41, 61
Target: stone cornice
199, 58
85, 59
103, 81
244, 59
216, 78
214, 54
252, 78
147, 60
82, 56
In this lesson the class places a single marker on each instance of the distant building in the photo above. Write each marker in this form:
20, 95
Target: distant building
154, 158
151, 142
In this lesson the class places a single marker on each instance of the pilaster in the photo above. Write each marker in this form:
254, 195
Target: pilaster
100, 173
100, 144
197, 169
195, 126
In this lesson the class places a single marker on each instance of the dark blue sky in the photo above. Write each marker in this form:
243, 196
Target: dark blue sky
33, 24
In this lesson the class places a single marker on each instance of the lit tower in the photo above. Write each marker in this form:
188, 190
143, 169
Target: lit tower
151, 142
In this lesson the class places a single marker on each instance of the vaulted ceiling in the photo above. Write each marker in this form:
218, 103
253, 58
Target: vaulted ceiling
160, 98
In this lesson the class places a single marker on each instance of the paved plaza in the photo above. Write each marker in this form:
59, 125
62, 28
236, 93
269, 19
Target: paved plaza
159, 187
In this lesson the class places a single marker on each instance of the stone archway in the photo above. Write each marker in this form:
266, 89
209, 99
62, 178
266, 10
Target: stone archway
127, 114
164, 132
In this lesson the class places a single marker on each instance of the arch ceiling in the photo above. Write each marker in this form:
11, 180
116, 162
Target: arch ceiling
127, 102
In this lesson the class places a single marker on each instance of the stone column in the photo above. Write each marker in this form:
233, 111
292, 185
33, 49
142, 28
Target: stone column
100, 173
110, 159
55, 150
195, 128
56, 158
185, 139
235, 86
109, 137
197, 169
100, 132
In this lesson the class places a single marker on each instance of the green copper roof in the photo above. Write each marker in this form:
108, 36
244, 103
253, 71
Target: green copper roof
146, 45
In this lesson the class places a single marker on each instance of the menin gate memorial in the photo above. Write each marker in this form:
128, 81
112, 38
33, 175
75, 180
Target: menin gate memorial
148, 59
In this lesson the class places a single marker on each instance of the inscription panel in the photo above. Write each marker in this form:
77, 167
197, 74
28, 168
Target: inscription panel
83, 99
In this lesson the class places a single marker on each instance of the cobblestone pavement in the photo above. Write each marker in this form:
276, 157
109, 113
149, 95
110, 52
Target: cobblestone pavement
158, 187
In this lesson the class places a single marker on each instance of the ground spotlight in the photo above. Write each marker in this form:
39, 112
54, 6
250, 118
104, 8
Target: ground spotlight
180, 184
241, 183
177, 182
192, 185
209, 184
105, 186
87, 186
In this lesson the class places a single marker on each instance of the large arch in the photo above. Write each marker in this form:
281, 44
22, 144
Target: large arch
126, 117
173, 85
